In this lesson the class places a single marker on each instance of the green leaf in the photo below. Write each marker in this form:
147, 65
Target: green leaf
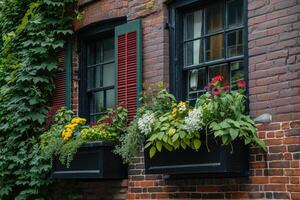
224, 125
197, 144
152, 152
233, 133
159, 146
175, 137
182, 134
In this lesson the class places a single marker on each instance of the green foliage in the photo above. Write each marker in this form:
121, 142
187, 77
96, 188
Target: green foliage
168, 129
68, 133
224, 114
32, 32
130, 143
109, 127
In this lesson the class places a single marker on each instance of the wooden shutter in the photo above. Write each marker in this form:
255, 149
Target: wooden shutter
62, 93
128, 42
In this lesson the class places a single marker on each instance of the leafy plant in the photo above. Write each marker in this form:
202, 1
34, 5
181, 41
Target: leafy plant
68, 133
224, 114
32, 33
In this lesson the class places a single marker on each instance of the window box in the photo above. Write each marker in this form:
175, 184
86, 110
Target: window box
94, 160
220, 161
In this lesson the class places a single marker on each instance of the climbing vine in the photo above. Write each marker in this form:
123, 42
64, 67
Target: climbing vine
32, 32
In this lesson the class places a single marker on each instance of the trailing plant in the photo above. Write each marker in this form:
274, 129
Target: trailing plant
32, 33
68, 133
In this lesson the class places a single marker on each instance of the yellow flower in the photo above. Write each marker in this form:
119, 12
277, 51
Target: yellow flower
78, 120
190, 110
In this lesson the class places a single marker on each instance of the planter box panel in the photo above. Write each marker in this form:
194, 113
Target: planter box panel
92, 161
220, 161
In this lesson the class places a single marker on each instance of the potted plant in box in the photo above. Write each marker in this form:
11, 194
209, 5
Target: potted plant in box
211, 137
85, 151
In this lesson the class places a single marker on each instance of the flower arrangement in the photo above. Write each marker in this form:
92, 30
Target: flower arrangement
68, 133
164, 123
224, 113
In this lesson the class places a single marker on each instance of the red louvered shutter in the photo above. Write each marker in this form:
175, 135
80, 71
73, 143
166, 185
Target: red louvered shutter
129, 58
58, 97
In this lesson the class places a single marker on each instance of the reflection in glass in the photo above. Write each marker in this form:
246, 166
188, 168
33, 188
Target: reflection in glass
234, 13
219, 70
108, 75
193, 25
93, 77
193, 52
214, 47
96, 102
108, 49
214, 18
235, 43
110, 98
237, 73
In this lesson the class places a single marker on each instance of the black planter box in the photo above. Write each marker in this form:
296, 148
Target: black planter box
221, 161
93, 160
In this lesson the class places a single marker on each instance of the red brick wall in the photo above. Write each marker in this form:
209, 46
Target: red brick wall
274, 87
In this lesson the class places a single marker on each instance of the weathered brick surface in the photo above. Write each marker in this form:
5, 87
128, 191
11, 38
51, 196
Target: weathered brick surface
274, 87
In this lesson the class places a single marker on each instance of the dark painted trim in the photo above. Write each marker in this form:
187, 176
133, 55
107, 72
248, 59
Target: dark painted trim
87, 34
176, 8
68, 74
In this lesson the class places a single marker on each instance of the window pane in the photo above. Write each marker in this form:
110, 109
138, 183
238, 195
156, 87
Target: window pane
235, 43
110, 98
219, 70
109, 74
97, 102
234, 13
108, 49
193, 25
98, 53
237, 73
93, 78
214, 47
193, 52
91, 54
197, 79
214, 18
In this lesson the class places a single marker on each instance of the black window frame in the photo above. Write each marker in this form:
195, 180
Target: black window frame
93, 32
178, 86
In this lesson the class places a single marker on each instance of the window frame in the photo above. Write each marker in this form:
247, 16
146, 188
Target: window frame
93, 32
178, 84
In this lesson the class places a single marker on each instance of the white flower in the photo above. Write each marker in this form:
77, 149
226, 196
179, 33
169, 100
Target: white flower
194, 121
145, 122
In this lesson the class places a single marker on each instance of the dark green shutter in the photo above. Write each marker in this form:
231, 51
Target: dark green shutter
128, 43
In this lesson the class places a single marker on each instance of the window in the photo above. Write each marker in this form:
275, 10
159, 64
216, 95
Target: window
110, 67
100, 77
207, 40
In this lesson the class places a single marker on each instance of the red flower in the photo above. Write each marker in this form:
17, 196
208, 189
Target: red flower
216, 92
109, 119
226, 87
241, 84
217, 79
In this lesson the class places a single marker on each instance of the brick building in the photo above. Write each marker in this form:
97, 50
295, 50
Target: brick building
257, 40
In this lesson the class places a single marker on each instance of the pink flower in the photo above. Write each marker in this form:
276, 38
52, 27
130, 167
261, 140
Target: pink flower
241, 84
216, 92
208, 87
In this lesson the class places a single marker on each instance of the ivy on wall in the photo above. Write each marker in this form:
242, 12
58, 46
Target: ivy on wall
32, 32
